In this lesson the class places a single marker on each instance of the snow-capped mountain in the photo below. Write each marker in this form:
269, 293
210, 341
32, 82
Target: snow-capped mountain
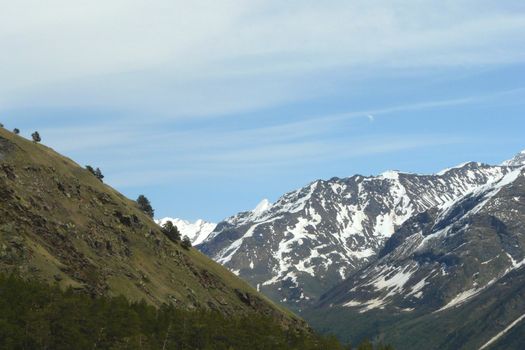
197, 231
458, 269
311, 239
437, 250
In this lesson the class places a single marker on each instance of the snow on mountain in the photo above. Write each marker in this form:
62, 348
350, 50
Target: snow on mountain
518, 160
197, 231
446, 256
313, 238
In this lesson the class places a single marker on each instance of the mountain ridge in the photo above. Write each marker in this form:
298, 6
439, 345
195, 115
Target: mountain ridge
467, 256
313, 238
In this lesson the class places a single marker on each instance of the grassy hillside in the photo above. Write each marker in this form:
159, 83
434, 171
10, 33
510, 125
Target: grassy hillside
60, 224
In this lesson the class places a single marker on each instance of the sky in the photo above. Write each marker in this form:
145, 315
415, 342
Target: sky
209, 106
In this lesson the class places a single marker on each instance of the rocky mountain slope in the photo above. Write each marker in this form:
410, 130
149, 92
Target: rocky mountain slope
59, 224
452, 277
314, 238
197, 231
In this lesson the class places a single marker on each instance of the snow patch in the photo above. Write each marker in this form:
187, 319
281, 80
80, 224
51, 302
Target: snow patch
261, 208
502, 333
461, 298
390, 175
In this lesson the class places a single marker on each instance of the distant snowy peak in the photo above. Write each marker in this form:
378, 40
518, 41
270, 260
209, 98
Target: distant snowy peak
197, 231
390, 175
518, 160
257, 214
459, 166
262, 207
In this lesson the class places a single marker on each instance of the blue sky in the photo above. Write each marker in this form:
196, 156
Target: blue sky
209, 106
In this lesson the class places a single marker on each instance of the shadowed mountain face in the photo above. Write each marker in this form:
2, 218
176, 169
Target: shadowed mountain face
58, 223
454, 276
313, 238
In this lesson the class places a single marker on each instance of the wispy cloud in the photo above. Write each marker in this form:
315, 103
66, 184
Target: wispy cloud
214, 57
206, 151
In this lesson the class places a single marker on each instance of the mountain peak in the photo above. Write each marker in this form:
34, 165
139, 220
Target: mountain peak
518, 160
390, 174
262, 207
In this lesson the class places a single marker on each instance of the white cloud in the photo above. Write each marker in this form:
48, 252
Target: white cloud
182, 58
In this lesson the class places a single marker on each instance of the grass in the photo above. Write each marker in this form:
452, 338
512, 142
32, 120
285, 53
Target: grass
66, 219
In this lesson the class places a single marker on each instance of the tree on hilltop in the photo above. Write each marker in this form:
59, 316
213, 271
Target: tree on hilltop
36, 137
96, 172
145, 205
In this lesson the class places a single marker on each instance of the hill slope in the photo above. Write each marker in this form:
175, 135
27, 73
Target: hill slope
58, 223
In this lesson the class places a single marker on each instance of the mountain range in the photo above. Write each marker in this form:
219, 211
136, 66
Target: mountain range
391, 256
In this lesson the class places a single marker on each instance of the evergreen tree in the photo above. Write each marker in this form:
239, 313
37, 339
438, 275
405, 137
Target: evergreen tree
34, 315
98, 174
1, 125
186, 242
16, 131
145, 205
36, 137
171, 231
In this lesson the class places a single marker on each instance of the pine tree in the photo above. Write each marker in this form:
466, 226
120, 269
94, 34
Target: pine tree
16, 131
145, 205
36, 137
186, 242
171, 231
98, 174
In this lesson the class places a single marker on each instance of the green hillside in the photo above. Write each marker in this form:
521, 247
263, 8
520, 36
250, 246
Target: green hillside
60, 224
